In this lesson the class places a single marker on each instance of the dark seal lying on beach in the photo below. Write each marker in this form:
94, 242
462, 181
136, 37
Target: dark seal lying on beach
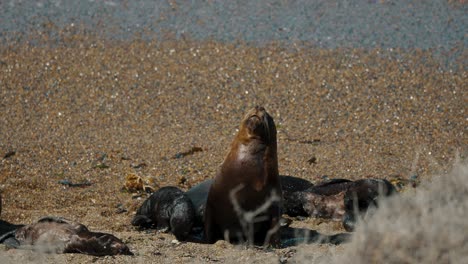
167, 209
244, 200
338, 199
58, 235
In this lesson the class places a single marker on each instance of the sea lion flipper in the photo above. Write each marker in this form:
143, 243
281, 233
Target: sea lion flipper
11, 242
9, 239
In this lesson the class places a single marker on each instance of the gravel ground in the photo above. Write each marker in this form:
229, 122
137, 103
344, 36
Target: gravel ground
86, 108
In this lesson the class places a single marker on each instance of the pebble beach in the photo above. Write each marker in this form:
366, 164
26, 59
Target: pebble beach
92, 93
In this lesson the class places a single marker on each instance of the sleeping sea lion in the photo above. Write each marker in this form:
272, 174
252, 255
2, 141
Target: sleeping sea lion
338, 199
244, 201
167, 209
58, 235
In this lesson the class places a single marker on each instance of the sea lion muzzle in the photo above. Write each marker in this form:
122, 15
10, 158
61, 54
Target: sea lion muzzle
258, 125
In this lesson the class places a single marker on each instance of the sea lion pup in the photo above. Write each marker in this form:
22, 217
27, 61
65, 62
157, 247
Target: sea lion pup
244, 201
58, 235
362, 196
167, 209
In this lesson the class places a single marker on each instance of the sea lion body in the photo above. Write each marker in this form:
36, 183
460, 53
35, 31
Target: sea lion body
338, 199
323, 200
291, 184
311, 204
58, 235
167, 209
247, 180
331, 187
198, 195
363, 195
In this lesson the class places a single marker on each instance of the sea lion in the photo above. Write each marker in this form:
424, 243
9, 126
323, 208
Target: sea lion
338, 199
310, 204
167, 209
324, 200
244, 200
58, 235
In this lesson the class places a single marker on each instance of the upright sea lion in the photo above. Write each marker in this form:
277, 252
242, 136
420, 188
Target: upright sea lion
244, 201
58, 235
167, 209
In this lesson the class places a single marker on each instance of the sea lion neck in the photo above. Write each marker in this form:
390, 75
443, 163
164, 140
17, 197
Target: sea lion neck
252, 146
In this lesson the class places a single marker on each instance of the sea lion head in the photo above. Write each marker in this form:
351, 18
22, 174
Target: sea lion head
257, 125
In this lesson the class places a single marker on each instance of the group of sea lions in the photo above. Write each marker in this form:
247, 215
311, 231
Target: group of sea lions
246, 199
244, 203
